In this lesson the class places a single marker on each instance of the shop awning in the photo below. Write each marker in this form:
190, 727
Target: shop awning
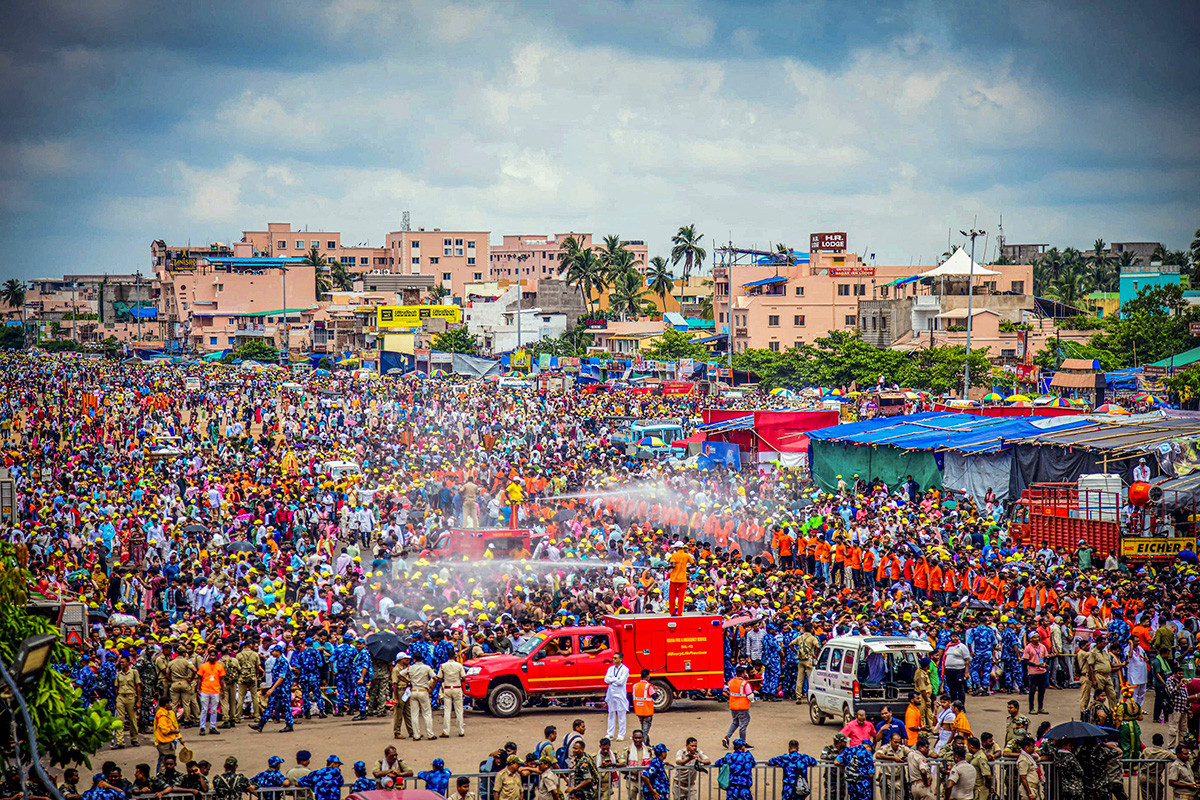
743, 423
764, 282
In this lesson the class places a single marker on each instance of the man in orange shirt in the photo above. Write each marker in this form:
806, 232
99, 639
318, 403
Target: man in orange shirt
680, 560
784, 544
211, 674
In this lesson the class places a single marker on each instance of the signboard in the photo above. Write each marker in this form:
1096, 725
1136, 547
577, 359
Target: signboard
544, 361
595, 324
1194, 328
412, 316
827, 242
713, 366
1155, 548
176, 264
852, 272
519, 361
1027, 373
1150, 370
685, 368
569, 364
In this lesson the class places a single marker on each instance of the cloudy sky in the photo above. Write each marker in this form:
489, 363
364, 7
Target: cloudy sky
126, 121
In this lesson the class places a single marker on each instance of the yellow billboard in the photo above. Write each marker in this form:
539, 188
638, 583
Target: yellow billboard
1133, 547
412, 316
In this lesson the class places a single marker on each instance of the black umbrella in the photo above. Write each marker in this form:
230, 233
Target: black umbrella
384, 646
1078, 730
195, 529
564, 515
241, 546
975, 604
99, 614
404, 612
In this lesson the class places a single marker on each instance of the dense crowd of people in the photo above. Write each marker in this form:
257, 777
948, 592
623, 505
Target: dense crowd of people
236, 568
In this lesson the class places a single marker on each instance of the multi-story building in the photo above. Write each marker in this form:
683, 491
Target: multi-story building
777, 306
453, 258
535, 257
280, 241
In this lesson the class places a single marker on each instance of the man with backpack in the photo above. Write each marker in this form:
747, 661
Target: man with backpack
564, 755
795, 766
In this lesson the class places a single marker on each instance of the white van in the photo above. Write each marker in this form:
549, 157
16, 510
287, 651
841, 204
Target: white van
868, 672
338, 469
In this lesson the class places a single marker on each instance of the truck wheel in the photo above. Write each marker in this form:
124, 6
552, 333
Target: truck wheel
505, 701
814, 712
847, 717
664, 695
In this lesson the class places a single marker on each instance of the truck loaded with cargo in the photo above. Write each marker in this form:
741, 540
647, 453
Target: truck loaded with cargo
682, 653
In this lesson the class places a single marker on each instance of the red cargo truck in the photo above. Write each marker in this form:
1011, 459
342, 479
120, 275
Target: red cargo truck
1062, 514
683, 653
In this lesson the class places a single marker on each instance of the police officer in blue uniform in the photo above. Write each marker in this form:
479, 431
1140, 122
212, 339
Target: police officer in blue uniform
309, 661
344, 655
271, 777
279, 696
326, 783
362, 678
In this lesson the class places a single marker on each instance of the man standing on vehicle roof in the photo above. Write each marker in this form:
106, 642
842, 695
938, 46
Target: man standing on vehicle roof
680, 560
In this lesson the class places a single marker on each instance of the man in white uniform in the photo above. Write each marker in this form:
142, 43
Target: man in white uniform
616, 697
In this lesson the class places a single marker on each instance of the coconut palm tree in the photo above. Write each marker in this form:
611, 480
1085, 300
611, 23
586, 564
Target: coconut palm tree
1129, 259
1194, 248
660, 279
585, 272
438, 292
1069, 289
568, 250
627, 294
787, 259
1100, 267
706, 308
616, 259
314, 258
340, 277
12, 293
685, 247
1047, 269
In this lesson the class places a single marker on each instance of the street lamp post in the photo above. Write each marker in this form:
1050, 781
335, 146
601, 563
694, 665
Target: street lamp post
973, 234
32, 657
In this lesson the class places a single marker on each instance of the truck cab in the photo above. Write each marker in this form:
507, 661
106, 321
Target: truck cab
504, 542
682, 653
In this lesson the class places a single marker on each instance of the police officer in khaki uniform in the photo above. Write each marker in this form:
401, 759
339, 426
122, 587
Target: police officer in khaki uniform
229, 706
402, 724
160, 663
450, 675
1098, 665
421, 678
129, 697
806, 650
250, 671
182, 674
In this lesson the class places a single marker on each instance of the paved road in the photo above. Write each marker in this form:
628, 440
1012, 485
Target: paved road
772, 725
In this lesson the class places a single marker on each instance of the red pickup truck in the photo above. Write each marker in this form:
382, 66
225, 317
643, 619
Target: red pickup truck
683, 653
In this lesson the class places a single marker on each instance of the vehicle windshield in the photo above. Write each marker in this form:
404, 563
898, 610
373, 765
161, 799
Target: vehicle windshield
894, 667
529, 645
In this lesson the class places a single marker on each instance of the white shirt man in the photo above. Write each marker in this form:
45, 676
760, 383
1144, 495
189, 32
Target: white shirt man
1142, 471
616, 677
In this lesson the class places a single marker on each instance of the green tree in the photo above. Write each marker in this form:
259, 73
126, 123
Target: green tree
321, 284
585, 272
253, 350
456, 340
674, 345
1069, 288
706, 308
1128, 259
786, 259
685, 247
67, 732
340, 277
1194, 248
313, 258
438, 292
660, 279
12, 293
1047, 269
1100, 266
628, 294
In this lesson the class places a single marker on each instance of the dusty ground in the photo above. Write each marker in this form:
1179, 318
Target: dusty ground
772, 725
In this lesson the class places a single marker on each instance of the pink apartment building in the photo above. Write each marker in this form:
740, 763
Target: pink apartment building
777, 307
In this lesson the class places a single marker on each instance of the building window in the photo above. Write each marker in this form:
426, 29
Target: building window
447, 251
458, 251
478, 276
299, 244
860, 290
843, 290
434, 260
1008, 352
231, 340
212, 340
458, 242
721, 316
851, 319
416, 260
470, 261
773, 321
281, 244
797, 344
445, 276
798, 321
799, 291
447, 242
773, 346
416, 245
330, 245
1018, 287
470, 244
874, 323
313, 243
883, 292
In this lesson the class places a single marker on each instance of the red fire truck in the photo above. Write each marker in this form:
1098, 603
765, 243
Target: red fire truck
683, 653
505, 543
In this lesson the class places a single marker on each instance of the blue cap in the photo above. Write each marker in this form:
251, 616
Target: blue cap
360, 766
308, 640
660, 748
333, 760
275, 647
347, 636
438, 763
303, 755
741, 743
274, 761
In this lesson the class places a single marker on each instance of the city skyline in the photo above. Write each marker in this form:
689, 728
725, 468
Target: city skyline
757, 122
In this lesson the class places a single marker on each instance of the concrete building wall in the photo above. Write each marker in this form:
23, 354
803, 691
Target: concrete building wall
454, 258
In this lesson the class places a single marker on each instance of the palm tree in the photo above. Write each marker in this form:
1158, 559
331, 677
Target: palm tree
788, 259
314, 258
627, 295
12, 293
660, 279
616, 259
1100, 267
340, 276
438, 292
1069, 289
1129, 259
706, 308
1047, 269
685, 247
321, 284
585, 272
568, 251
1194, 248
